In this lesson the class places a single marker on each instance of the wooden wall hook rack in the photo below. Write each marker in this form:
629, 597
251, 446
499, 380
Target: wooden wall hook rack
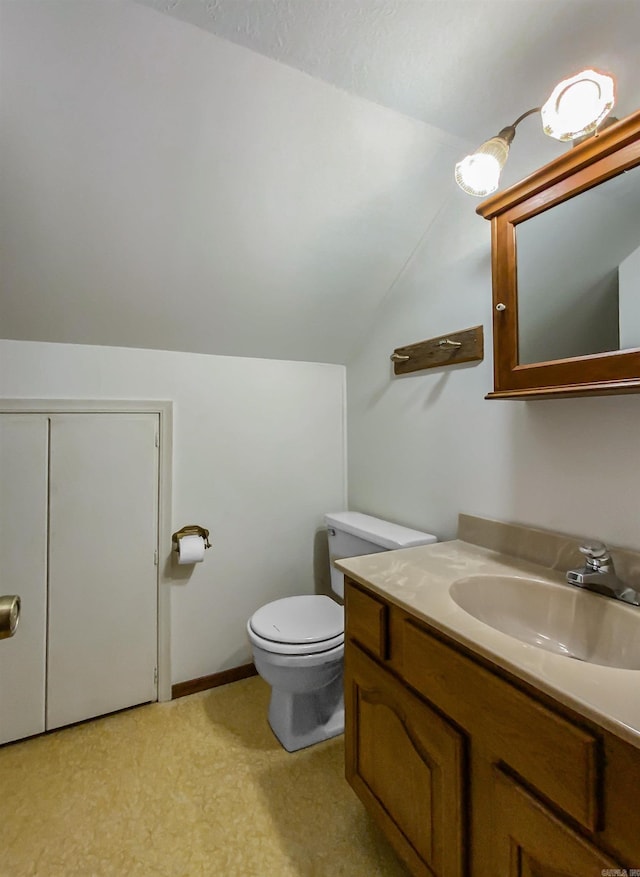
464, 346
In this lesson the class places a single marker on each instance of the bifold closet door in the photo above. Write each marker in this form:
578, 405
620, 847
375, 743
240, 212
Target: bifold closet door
23, 571
103, 538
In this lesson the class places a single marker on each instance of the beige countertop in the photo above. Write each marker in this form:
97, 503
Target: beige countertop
418, 580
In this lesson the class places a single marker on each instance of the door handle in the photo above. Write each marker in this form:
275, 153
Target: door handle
9, 615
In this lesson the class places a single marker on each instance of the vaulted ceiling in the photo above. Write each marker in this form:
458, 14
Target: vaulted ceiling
465, 66
250, 177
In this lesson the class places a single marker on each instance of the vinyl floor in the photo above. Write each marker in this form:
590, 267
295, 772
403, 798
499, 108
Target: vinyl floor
197, 786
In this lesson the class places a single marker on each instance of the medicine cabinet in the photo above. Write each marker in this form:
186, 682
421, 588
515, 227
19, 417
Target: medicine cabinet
566, 272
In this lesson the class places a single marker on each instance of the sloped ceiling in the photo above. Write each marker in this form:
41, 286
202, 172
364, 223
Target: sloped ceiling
251, 179
465, 66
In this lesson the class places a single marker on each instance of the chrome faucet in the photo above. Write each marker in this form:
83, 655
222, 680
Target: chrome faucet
598, 574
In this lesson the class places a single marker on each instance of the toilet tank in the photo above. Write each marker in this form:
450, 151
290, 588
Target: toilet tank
352, 534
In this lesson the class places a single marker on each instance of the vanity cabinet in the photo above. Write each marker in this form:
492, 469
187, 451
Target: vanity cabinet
470, 771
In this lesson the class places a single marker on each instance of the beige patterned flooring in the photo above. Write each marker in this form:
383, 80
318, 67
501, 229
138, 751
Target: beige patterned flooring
198, 786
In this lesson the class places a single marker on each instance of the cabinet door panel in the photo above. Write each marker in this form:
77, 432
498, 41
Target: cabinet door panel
23, 571
102, 647
531, 842
406, 763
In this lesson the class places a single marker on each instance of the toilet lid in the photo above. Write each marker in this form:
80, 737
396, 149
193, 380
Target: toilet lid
304, 619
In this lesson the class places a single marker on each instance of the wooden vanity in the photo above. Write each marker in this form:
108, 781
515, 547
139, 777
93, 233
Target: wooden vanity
470, 770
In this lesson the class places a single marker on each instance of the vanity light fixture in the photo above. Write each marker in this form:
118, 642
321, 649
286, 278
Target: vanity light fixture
479, 174
575, 109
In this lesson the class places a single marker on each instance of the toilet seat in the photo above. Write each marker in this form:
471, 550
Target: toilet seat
299, 625
293, 649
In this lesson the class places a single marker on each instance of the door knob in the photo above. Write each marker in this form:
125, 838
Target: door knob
9, 615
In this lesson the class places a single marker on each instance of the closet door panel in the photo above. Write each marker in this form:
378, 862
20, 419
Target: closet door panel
102, 646
23, 571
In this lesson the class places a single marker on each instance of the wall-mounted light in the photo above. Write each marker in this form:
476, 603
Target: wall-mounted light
575, 109
578, 105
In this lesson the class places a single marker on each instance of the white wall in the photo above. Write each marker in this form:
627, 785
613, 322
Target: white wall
258, 459
427, 446
147, 166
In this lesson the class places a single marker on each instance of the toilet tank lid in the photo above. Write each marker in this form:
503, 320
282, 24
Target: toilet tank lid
375, 530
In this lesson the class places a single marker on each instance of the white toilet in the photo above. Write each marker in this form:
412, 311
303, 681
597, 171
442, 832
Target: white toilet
298, 642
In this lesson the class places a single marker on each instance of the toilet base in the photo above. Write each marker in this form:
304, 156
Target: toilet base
300, 720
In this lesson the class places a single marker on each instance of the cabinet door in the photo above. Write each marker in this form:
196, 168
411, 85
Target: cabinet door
102, 647
406, 764
529, 841
23, 570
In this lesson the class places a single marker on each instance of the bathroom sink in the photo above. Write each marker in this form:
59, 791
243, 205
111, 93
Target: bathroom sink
556, 617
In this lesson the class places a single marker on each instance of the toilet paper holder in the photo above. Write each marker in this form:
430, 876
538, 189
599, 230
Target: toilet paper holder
191, 530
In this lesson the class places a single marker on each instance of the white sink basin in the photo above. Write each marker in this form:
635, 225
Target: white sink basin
556, 617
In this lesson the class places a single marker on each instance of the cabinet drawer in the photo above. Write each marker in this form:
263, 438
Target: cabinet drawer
549, 752
367, 621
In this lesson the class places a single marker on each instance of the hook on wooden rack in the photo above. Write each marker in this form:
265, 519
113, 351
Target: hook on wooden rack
464, 346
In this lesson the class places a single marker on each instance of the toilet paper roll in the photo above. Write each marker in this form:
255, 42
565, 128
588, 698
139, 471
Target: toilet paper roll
191, 549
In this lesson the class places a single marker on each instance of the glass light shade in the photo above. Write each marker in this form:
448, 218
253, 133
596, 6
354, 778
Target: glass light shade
578, 105
479, 174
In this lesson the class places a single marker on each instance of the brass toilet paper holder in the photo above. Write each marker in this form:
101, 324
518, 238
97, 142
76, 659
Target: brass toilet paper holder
191, 530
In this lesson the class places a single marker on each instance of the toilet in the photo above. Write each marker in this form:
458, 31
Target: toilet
298, 642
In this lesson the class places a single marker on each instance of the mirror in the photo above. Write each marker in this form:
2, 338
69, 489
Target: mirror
586, 253
566, 272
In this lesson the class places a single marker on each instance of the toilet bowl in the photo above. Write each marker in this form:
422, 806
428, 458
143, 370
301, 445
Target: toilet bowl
298, 648
298, 642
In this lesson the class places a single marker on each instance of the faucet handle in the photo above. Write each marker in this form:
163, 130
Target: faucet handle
594, 549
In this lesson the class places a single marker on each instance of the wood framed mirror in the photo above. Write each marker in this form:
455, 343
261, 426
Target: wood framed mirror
565, 246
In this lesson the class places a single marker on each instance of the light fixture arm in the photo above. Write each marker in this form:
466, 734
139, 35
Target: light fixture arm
524, 116
508, 133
